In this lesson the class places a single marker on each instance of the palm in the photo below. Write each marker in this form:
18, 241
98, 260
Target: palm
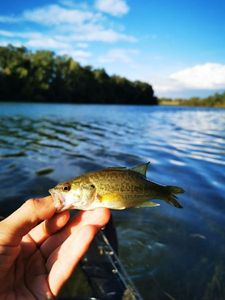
45, 258
28, 276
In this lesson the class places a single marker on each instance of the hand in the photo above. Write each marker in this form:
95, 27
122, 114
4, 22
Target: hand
36, 259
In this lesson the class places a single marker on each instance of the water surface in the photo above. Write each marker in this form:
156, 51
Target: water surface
170, 253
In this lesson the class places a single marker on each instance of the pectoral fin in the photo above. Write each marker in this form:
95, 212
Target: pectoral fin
147, 204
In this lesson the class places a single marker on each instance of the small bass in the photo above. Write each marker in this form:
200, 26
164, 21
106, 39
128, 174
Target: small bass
115, 188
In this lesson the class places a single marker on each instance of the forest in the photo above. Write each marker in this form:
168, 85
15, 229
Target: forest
43, 76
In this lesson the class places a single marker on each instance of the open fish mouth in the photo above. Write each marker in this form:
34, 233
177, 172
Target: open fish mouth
58, 200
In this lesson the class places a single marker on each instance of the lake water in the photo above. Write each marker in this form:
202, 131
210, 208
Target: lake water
170, 253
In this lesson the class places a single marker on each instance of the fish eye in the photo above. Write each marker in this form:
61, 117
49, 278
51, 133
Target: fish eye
92, 186
66, 187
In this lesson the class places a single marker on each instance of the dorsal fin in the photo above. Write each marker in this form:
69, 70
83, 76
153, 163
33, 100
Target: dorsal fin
141, 169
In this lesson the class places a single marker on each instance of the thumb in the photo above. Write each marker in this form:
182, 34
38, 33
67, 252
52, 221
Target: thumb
19, 223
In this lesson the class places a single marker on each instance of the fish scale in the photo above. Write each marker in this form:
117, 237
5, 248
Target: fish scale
112, 180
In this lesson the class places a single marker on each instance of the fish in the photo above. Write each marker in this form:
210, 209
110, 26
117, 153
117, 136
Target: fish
115, 188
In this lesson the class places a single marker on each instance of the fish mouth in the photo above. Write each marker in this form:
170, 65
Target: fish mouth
58, 200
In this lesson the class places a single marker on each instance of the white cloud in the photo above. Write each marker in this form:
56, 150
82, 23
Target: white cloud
56, 15
165, 86
205, 76
112, 7
6, 33
69, 27
82, 45
63, 24
97, 33
5, 43
200, 79
77, 54
46, 43
119, 55
9, 19
22, 35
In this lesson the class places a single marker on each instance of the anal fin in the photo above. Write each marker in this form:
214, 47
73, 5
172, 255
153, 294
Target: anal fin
147, 204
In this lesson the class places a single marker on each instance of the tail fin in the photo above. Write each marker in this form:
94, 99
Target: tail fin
170, 195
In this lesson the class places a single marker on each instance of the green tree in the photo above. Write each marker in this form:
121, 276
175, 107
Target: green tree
45, 77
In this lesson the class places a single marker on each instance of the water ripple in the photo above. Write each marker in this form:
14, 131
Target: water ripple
44, 144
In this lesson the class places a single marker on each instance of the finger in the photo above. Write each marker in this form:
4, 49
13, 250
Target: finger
41, 232
19, 223
46, 228
98, 217
63, 261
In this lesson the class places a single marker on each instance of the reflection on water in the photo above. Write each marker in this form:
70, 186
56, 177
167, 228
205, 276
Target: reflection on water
170, 253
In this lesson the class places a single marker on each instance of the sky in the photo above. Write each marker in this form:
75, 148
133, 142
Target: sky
178, 46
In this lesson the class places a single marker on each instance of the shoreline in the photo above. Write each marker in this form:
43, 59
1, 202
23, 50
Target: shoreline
186, 103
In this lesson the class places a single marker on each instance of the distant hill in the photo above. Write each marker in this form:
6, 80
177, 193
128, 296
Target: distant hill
43, 76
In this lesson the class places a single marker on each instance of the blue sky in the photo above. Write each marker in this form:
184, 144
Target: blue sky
178, 46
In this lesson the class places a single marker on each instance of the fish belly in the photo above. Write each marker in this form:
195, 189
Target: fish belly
121, 201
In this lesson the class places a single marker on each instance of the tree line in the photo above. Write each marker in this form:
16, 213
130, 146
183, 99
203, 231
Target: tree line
216, 100
43, 76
